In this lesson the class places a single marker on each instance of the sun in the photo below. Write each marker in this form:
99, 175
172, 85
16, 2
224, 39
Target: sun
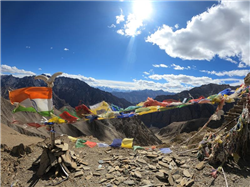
142, 9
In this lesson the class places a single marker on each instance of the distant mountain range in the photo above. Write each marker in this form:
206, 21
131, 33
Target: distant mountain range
204, 90
108, 89
136, 97
72, 92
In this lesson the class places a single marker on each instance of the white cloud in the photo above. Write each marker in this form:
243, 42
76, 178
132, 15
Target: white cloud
5, 69
231, 60
191, 81
39, 69
51, 47
232, 73
145, 84
112, 26
173, 83
47, 74
65, 49
156, 65
80, 77
222, 30
160, 65
178, 67
132, 26
133, 85
120, 18
121, 32
151, 71
176, 26
27, 47
237, 83
241, 65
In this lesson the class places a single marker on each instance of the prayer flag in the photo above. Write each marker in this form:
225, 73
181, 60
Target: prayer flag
127, 143
33, 99
116, 143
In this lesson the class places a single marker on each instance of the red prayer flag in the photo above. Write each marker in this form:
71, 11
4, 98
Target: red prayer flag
67, 116
90, 144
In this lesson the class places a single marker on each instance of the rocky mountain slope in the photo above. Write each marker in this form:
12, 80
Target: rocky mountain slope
73, 91
177, 128
103, 130
190, 112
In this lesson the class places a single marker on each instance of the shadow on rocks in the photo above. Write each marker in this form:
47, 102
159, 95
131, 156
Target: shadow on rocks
34, 179
20, 150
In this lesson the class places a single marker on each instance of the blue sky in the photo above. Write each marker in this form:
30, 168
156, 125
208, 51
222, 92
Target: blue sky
129, 45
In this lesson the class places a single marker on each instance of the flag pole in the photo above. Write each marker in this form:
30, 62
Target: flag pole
52, 136
50, 83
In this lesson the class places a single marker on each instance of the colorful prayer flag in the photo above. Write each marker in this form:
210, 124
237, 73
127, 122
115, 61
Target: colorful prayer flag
116, 143
100, 108
90, 144
127, 143
33, 99
67, 116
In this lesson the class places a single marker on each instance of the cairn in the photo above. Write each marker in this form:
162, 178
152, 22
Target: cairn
66, 163
234, 140
56, 153
234, 113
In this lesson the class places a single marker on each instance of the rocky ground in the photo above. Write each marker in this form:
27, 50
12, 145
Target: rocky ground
117, 167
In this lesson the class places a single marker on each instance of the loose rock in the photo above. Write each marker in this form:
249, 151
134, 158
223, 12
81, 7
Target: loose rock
186, 173
200, 166
129, 182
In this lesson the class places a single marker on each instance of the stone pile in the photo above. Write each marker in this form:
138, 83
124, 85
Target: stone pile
137, 168
60, 157
232, 140
141, 168
234, 113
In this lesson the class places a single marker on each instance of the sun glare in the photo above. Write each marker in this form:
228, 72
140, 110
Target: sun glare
142, 9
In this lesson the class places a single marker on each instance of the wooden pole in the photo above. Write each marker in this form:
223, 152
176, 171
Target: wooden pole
52, 136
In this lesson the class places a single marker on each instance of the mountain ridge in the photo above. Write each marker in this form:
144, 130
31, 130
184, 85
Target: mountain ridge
72, 92
204, 90
140, 95
67, 91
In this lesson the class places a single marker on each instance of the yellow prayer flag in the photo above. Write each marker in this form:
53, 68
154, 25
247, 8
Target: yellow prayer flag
100, 108
57, 120
127, 143
73, 139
